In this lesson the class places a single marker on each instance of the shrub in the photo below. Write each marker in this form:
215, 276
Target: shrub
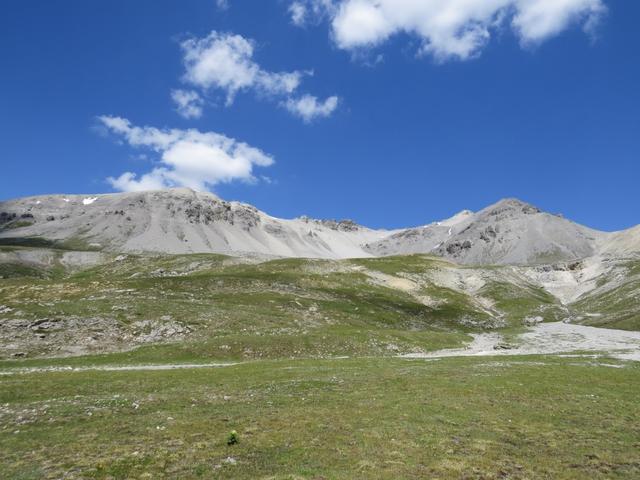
232, 438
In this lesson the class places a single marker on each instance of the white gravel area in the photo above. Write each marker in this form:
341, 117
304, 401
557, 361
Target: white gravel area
550, 338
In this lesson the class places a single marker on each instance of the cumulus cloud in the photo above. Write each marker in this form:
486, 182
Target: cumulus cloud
188, 158
448, 28
222, 4
224, 62
309, 107
188, 103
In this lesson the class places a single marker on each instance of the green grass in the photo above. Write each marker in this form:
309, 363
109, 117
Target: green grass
401, 264
617, 307
301, 412
633, 268
488, 418
518, 302
329, 342
17, 224
34, 242
73, 244
283, 308
292, 308
18, 270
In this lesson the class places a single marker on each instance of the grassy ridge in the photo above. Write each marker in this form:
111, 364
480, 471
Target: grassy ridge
282, 308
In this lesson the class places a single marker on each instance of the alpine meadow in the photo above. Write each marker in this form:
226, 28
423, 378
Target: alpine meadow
319, 239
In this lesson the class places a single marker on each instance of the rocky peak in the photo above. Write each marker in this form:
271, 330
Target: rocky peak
510, 207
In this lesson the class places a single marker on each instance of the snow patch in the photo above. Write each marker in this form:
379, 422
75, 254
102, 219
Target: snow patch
89, 200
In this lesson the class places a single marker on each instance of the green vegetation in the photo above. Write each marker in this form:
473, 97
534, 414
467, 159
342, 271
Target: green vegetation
633, 268
72, 244
282, 308
519, 302
17, 224
616, 304
35, 242
311, 385
477, 418
20, 270
617, 308
293, 308
232, 438
402, 264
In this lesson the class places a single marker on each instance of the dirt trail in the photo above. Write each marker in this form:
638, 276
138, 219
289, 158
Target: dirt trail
115, 368
550, 338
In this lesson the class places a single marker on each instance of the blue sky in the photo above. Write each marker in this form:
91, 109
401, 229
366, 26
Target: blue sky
367, 114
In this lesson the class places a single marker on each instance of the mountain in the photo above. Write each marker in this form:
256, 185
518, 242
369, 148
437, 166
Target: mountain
424, 239
88, 274
508, 232
622, 243
177, 221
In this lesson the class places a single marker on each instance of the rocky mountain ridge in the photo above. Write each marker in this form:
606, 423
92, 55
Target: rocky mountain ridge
184, 221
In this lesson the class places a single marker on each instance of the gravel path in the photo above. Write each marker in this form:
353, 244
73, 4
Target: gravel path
116, 368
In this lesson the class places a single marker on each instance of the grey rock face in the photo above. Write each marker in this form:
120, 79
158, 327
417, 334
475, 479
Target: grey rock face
514, 232
75, 335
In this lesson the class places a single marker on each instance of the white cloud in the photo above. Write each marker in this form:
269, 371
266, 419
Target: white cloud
450, 28
535, 21
188, 158
127, 182
303, 12
188, 103
309, 108
222, 4
298, 12
225, 61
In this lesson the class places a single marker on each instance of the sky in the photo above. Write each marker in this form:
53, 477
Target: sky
392, 113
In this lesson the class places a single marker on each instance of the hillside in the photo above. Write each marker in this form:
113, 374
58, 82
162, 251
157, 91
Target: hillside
60, 303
